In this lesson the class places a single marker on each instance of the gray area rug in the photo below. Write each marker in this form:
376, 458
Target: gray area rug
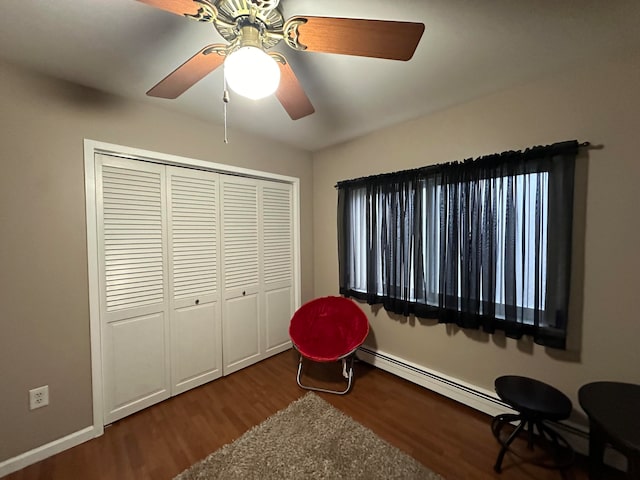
309, 439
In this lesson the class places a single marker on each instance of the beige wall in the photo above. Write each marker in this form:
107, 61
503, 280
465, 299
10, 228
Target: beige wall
44, 312
600, 104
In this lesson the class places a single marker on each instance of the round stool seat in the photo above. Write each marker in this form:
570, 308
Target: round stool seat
329, 328
533, 398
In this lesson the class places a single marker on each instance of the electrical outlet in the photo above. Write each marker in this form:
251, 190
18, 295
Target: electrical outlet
38, 397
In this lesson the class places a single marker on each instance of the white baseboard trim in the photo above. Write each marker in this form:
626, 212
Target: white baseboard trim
40, 453
475, 397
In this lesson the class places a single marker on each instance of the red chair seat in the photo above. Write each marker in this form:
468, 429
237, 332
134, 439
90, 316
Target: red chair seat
329, 328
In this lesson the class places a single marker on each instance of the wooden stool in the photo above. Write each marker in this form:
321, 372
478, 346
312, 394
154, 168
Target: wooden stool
535, 402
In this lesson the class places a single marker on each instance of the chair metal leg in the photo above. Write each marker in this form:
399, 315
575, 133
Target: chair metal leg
346, 372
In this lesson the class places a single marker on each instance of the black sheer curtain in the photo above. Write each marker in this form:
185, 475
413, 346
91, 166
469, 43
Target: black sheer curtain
483, 243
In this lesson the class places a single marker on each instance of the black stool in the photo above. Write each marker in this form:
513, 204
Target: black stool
535, 403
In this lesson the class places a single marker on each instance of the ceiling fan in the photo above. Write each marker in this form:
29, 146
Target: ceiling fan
254, 26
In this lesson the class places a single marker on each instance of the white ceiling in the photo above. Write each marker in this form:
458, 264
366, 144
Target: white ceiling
469, 48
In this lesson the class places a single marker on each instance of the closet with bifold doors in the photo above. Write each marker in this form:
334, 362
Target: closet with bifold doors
196, 277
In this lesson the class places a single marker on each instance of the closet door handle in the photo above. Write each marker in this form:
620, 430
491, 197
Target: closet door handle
244, 293
197, 301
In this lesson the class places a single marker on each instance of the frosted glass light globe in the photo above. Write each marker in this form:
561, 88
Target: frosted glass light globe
252, 73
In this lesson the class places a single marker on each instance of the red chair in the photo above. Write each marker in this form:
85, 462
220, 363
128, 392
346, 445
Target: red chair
328, 329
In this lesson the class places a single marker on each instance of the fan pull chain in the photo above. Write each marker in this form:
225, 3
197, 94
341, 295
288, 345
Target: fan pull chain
225, 101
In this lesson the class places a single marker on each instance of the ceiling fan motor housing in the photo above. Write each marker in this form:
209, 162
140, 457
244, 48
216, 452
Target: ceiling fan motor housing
249, 35
244, 19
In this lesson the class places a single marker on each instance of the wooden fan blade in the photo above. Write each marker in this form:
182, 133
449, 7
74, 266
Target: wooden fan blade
189, 73
198, 10
352, 36
291, 95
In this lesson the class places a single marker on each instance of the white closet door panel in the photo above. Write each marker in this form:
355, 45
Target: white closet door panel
135, 368
277, 237
278, 313
196, 337
241, 332
196, 354
242, 316
240, 252
277, 233
131, 218
131, 201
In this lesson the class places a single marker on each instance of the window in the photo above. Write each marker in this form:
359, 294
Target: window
482, 243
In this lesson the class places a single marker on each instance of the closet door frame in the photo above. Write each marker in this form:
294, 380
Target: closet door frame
93, 147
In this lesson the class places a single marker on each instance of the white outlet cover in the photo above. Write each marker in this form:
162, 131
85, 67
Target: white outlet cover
39, 397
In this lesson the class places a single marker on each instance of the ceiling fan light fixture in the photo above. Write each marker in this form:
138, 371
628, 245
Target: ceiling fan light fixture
251, 72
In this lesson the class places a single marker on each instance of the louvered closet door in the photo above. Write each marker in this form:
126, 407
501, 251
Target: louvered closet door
133, 285
242, 316
196, 334
277, 257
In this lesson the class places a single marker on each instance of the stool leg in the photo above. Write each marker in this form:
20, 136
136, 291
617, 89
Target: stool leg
531, 432
505, 446
549, 432
633, 471
596, 451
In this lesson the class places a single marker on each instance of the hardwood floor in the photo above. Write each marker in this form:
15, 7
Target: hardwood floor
161, 441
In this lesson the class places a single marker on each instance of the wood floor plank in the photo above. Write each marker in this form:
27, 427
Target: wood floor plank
161, 441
